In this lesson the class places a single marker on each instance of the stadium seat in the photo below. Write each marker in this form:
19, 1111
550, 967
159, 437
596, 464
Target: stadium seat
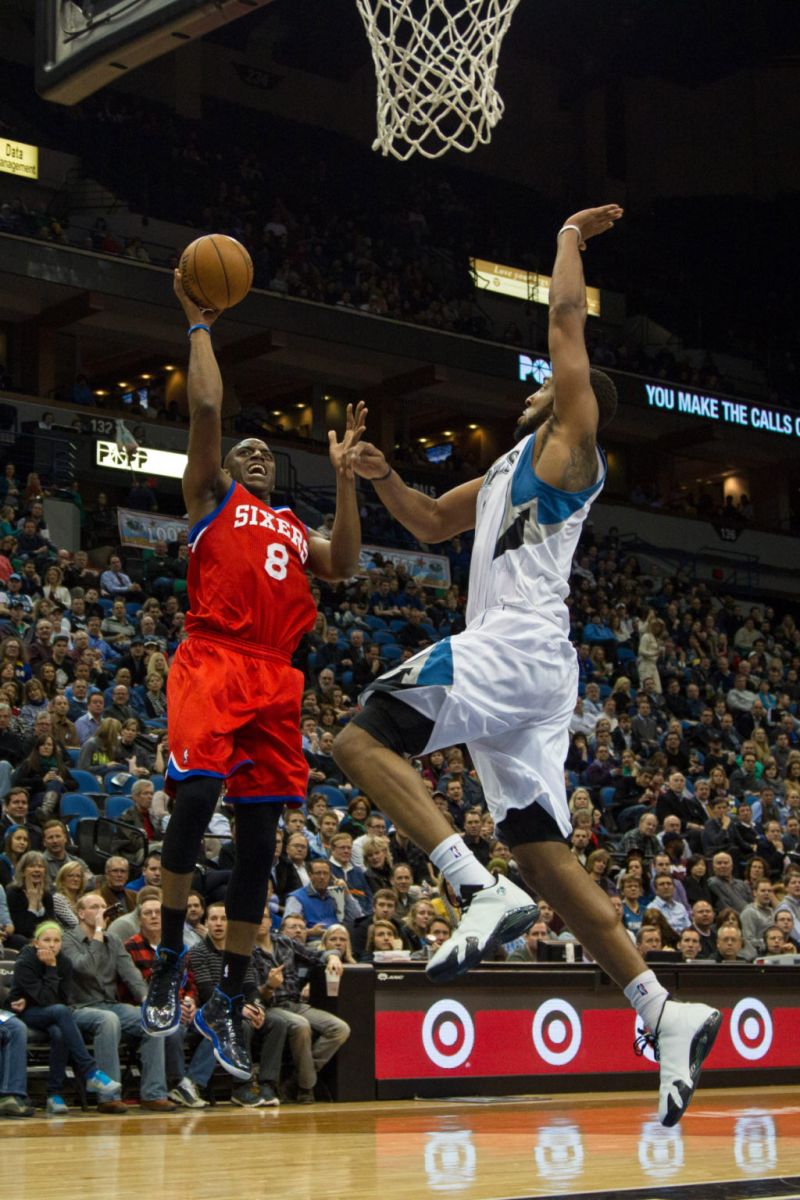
397, 624
119, 783
105, 605
374, 623
157, 782
391, 653
87, 782
75, 804
382, 636
117, 805
73, 752
335, 798
607, 796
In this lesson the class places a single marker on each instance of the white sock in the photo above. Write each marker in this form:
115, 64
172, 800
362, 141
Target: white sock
459, 865
646, 995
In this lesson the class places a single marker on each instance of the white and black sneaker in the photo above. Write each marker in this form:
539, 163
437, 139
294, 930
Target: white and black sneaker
681, 1042
186, 1095
494, 915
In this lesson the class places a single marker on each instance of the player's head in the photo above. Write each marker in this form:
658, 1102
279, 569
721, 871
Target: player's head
252, 465
539, 406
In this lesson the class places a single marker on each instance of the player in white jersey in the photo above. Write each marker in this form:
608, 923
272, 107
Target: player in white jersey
507, 685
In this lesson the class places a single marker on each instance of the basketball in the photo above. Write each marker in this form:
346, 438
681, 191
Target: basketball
216, 271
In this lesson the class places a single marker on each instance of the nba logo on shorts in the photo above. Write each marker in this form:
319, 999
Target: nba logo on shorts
185, 757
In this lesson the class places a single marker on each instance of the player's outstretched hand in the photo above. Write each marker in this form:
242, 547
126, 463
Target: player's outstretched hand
194, 314
341, 451
368, 461
592, 221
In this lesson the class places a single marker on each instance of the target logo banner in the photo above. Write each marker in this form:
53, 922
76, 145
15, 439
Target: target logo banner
461, 1037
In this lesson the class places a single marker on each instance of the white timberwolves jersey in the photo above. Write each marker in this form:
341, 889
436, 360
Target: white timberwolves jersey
526, 532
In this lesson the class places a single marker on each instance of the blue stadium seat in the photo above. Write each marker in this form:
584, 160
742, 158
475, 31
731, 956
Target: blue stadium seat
374, 623
347, 678
76, 805
116, 806
607, 795
397, 624
391, 653
382, 636
335, 797
73, 753
105, 605
157, 782
119, 783
625, 655
87, 782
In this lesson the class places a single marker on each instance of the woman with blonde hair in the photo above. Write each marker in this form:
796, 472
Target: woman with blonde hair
760, 744
157, 664
102, 753
54, 589
580, 801
651, 649
446, 902
377, 862
67, 891
337, 938
417, 922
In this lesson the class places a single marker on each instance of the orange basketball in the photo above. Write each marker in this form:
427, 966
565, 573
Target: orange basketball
216, 271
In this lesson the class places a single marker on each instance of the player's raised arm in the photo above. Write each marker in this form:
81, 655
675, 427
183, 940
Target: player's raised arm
204, 481
575, 408
338, 558
430, 520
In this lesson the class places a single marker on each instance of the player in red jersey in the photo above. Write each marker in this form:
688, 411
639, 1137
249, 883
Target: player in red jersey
234, 697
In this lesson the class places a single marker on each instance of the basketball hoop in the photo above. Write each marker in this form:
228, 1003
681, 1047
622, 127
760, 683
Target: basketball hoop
436, 63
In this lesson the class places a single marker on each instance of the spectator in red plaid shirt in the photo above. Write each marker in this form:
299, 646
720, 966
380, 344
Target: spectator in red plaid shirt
142, 949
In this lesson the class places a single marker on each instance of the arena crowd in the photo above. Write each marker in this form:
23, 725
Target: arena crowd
683, 775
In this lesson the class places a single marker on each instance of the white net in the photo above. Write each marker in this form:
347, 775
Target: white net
436, 63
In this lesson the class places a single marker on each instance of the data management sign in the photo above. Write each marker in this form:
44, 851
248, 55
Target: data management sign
725, 412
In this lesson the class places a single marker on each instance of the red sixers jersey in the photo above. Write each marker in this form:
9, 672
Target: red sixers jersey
247, 581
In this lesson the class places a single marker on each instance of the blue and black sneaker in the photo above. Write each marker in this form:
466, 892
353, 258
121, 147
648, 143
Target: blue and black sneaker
220, 1020
161, 1007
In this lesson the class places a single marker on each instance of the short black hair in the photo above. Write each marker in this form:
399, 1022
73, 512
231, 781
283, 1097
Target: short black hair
605, 392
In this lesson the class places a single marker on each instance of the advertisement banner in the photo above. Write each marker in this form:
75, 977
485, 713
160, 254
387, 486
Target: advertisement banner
428, 570
145, 529
474, 1036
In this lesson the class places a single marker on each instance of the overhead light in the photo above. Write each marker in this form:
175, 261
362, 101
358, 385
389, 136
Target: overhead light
101, 391
300, 406
473, 427
145, 376
276, 413
169, 366
447, 433
327, 397
122, 383
422, 440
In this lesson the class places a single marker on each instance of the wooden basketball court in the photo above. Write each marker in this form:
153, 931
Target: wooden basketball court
733, 1143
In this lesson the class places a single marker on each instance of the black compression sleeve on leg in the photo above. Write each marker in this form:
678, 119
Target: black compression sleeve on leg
195, 801
255, 849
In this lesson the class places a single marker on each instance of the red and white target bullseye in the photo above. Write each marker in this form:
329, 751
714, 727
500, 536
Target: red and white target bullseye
448, 1034
557, 1032
751, 1028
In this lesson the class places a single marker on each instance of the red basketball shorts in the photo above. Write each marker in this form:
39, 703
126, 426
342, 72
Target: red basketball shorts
235, 715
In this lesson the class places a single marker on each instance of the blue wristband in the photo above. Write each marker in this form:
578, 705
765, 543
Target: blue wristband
194, 329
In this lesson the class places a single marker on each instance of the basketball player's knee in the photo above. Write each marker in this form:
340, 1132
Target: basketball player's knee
349, 747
